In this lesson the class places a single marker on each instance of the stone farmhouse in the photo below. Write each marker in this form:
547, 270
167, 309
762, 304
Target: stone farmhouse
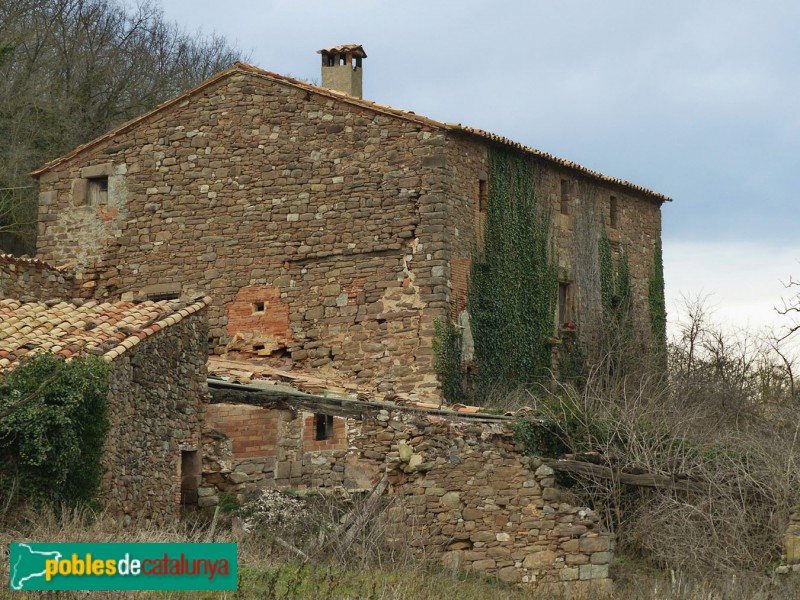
157, 352
329, 230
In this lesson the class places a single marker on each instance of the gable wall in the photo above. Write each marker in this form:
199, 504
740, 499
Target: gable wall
330, 209
157, 405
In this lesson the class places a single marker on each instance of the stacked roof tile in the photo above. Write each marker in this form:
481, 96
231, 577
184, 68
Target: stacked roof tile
354, 49
69, 328
10, 259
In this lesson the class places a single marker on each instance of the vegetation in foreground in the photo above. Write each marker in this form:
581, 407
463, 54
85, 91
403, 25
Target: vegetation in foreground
269, 570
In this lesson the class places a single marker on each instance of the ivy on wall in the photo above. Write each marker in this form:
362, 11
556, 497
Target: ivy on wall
655, 301
52, 436
617, 300
615, 286
514, 280
447, 349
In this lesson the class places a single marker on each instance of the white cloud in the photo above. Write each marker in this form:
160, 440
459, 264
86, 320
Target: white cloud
742, 280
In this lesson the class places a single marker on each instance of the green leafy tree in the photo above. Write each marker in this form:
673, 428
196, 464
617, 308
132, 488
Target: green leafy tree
52, 434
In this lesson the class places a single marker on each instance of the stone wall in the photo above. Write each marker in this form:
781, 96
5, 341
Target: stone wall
464, 492
31, 280
157, 403
258, 192
268, 449
331, 234
791, 543
576, 233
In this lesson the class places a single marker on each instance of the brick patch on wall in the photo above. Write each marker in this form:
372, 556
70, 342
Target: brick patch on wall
258, 321
253, 430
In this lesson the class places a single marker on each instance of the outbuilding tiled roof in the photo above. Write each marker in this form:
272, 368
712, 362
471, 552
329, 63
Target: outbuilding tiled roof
240, 67
70, 328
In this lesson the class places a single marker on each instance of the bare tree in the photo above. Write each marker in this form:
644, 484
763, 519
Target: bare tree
790, 308
72, 69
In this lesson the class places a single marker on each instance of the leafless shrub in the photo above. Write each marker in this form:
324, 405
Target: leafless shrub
718, 434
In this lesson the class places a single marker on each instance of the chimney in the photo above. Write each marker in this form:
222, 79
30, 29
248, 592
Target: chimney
341, 68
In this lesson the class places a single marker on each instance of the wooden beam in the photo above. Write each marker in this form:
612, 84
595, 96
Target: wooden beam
652, 480
282, 399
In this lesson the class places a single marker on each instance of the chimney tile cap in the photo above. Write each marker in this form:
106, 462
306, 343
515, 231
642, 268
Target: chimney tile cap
355, 49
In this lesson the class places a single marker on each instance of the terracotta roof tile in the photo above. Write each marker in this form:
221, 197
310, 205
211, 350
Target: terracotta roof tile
341, 96
68, 329
354, 49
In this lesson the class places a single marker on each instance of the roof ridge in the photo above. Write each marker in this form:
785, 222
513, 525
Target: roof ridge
145, 332
31, 261
368, 104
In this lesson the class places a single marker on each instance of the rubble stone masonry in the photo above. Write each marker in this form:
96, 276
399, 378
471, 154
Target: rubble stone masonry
30, 280
330, 232
463, 491
157, 403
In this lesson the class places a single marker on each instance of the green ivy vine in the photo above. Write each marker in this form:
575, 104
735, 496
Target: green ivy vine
514, 280
52, 436
655, 301
617, 300
447, 362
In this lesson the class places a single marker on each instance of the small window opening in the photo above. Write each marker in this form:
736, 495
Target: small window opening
565, 196
164, 296
483, 195
97, 191
258, 347
614, 213
258, 307
323, 425
564, 316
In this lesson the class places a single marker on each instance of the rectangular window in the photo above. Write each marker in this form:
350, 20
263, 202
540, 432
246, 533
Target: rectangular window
323, 427
97, 191
258, 307
565, 196
483, 195
614, 213
564, 316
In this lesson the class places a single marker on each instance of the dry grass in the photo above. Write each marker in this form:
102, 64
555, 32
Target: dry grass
266, 572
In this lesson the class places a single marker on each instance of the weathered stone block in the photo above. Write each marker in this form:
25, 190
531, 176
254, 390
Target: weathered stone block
594, 543
484, 565
593, 572
451, 500
539, 560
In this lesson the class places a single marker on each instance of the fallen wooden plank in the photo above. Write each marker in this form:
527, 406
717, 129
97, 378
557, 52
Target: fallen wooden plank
652, 480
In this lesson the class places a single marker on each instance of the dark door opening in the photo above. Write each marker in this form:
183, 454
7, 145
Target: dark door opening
190, 479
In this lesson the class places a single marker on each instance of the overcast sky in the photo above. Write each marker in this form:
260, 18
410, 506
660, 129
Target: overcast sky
694, 99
